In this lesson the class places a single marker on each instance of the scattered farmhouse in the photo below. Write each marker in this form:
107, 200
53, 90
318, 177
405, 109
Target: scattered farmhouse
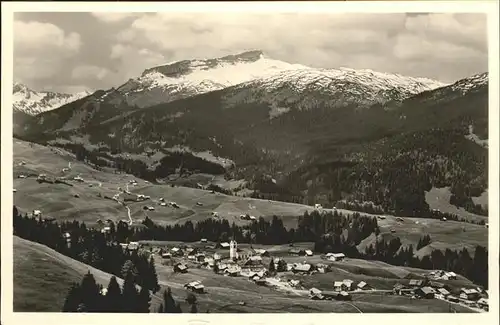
416, 283
363, 286
335, 256
469, 294
302, 268
195, 286
180, 268
425, 292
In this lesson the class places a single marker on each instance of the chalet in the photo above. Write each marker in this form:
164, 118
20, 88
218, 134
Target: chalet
451, 275
483, 303
133, 246
232, 271
166, 255
78, 179
203, 240
416, 283
316, 294
163, 204
199, 204
200, 257
438, 285
151, 208
425, 292
452, 298
296, 251
335, 256
363, 286
400, 219
337, 286
180, 268
195, 286
224, 245
161, 199
344, 296
302, 268
262, 252
253, 218
469, 294
176, 251
106, 230
254, 260
347, 285
308, 252
443, 292
443, 219
22, 176
215, 214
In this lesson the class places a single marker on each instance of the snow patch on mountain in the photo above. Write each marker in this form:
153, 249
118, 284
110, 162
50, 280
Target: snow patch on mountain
311, 88
336, 79
187, 78
33, 102
471, 83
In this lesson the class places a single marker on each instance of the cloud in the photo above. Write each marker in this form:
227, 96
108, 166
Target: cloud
113, 17
41, 48
89, 72
441, 46
133, 60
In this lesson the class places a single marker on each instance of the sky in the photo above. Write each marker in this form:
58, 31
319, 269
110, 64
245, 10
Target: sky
76, 51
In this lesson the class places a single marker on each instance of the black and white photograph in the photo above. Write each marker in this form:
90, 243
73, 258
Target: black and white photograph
258, 162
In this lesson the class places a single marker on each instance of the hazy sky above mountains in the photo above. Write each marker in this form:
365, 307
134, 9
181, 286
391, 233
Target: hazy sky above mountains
71, 52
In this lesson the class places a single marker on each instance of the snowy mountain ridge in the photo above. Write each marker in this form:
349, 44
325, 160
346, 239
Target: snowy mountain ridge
191, 77
35, 102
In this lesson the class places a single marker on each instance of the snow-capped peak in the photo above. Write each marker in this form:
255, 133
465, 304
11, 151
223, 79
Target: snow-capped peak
470, 83
368, 84
190, 77
33, 102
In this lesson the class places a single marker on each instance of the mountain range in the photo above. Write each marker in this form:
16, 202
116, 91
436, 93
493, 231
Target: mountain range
321, 135
34, 102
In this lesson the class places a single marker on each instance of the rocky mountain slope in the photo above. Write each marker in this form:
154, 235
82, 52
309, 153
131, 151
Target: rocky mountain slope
33, 102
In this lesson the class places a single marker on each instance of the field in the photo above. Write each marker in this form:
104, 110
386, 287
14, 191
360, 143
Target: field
439, 198
444, 234
59, 201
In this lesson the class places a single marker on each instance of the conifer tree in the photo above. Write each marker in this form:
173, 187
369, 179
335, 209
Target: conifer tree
113, 298
73, 299
90, 293
154, 276
129, 294
144, 301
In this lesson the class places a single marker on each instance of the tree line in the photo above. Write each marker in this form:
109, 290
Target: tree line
89, 246
90, 297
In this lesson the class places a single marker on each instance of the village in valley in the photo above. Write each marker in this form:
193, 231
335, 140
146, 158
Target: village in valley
293, 271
